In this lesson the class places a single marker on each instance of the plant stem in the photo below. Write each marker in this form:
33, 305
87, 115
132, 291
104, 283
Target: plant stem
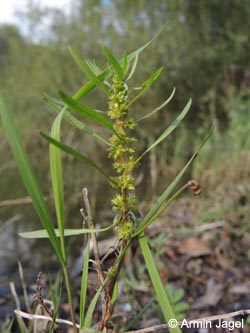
70, 298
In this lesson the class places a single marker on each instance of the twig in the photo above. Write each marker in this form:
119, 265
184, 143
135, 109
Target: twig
96, 252
93, 236
40, 300
192, 321
19, 201
14, 294
26, 299
210, 226
22, 314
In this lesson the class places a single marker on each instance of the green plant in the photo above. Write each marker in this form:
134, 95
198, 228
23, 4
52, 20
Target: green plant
119, 122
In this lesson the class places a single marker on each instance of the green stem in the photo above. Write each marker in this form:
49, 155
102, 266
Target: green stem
70, 298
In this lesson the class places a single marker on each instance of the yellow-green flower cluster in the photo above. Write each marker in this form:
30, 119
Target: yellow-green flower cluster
122, 148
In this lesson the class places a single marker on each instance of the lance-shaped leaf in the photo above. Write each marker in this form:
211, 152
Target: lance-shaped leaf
87, 112
67, 232
29, 178
133, 67
93, 66
76, 154
168, 131
164, 302
87, 70
113, 62
57, 105
146, 85
159, 107
84, 282
57, 178
157, 206
125, 63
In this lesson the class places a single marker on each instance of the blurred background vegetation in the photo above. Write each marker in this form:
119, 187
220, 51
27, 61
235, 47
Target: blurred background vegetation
205, 51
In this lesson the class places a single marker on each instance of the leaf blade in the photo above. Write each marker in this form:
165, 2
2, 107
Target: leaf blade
28, 176
76, 154
67, 232
161, 295
157, 206
57, 178
168, 130
87, 70
84, 283
113, 62
87, 112
159, 107
57, 105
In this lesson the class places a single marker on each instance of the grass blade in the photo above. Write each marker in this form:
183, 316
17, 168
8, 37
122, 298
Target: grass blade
157, 206
67, 232
147, 84
57, 179
161, 295
168, 131
76, 154
87, 70
159, 107
28, 176
84, 283
113, 62
125, 63
133, 67
87, 112
93, 66
57, 105
91, 309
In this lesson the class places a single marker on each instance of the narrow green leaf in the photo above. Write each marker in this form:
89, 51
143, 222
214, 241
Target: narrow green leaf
87, 70
76, 154
57, 179
98, 71
138, 317
125, 63
159, 107
67, 232
113, 62
93, 66
180, 307
91, 85
28, 176
139, 50
87, 112
57, 105
162, 297
84, 283
169, 130
91, 308
149, 218
178, 295
146, 85
133, 67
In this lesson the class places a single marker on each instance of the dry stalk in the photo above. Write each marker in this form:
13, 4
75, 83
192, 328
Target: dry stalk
25, 294
155, 328
14, 294
38, 297
93, 236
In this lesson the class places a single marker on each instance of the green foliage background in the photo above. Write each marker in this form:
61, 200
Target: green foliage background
205, 52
